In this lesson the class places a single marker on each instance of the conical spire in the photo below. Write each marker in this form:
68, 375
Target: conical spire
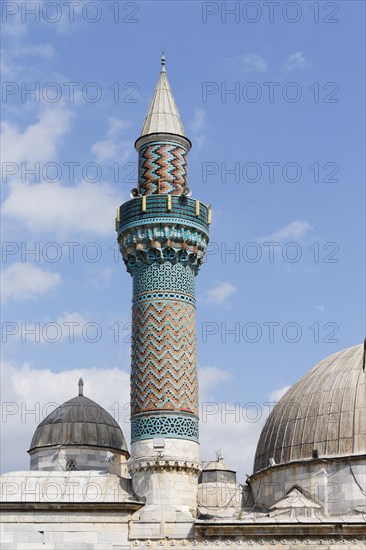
163, 115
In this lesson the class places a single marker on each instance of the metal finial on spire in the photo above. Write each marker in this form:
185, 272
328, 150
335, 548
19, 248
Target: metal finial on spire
81, 386
163, 70
219, 455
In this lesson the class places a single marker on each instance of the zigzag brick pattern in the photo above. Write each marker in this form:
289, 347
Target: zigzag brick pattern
164, 374
165, 162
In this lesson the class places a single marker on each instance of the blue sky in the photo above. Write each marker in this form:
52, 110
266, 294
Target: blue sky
296, 180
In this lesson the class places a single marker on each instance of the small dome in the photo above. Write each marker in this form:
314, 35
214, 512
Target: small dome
79, 422
215, 465
324, 411
216, 470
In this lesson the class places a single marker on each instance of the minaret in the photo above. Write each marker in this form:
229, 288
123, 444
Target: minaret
163, 234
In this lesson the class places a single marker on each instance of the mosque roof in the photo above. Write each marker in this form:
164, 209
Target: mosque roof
79, 421
55, 487
325, 411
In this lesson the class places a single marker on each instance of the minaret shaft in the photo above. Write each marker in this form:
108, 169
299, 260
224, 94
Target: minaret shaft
163, 235
164, 388
163, 240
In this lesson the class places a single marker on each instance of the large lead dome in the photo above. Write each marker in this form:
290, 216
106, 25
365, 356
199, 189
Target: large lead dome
81, 422
325, 410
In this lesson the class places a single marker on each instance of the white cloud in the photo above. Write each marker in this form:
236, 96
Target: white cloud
113, 148
197, 125
252, 62
233, 427
70, 323
198, 121
293, 230
22, 281
26, 388
199, 141
40, 141
101, 277
296, 60
211, 377
14, 27
50, 330
220, 293
85, 208
39, 391
7, 67
67, 20
40, 50
276, 395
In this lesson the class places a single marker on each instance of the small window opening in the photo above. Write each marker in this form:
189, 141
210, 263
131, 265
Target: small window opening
71, 465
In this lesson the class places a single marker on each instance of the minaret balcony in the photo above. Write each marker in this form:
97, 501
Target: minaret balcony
155, 229
156, 208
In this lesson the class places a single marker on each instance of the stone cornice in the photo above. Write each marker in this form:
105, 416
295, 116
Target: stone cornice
300, 531
168, 464
346, 459
75, 507
258, 541
171, 250
160, 235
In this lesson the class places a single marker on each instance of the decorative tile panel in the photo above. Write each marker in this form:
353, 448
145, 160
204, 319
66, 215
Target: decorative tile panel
164, 374
162, 168
166, 425
163, 277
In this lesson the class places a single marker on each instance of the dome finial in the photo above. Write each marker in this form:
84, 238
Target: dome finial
163, 70
81, 386
219, 455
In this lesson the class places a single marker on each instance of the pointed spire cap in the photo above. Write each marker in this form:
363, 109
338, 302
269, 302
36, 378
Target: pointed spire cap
163, 115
